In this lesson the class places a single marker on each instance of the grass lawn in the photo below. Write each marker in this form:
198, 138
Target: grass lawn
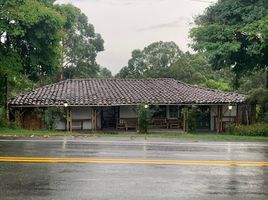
45, 133
27, 133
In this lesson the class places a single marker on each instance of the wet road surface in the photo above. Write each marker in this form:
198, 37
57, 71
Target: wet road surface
136, 169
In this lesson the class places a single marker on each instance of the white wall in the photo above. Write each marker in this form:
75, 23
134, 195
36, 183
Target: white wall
128, 112
81, 112
61, 125
228, 112
87, 124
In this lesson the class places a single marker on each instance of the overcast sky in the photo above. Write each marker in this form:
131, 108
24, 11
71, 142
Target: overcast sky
126, 25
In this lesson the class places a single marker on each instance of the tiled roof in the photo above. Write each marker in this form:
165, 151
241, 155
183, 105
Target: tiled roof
98, 92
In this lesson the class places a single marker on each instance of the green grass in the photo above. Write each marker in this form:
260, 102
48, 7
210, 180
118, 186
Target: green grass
45, 133
218, 137
26, 133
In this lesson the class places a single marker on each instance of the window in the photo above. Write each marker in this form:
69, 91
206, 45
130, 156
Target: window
173, 111
159, 111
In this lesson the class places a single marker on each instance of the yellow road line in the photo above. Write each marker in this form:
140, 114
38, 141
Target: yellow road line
131, 161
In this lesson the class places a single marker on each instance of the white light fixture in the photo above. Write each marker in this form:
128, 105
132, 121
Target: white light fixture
230, 107
233, 65
146, 106
65, 104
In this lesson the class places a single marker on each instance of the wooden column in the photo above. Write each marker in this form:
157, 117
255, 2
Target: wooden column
237, 115
69, 120
219, 119
185, 121
18, 118
94, 119
253, 114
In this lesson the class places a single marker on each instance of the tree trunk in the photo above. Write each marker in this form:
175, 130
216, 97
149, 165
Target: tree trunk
62, 61
266, 85
6, 98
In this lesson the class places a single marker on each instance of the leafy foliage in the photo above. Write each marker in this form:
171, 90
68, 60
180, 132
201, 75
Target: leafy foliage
234, 33
50, 116
252, 81
152, 62
260, 97
260, 129
2, 114
166, 60
192, 118
105, 73
4, 122
80, 44
195, 69
37, 37
30, 36
144, 118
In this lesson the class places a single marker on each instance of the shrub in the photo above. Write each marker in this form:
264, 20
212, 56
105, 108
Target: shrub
50, 116
260, 129
13, 125
192, 118
260, 97
230, 128
5, 123
2, 121
143, 118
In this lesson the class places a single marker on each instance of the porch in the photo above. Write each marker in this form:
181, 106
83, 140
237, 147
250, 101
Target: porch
164, 117
119, 118
124, 118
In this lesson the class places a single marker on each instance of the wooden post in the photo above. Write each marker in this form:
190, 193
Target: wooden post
6, 99
185, 121
219, 119
69, 120
253, 114
221, 122
247, 115
237, 115
94, 119
18, 119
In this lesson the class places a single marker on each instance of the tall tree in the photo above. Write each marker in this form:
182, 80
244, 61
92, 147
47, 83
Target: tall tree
29, 43
80, 44
166, 60
234, 34
195, 69
105, 73
30, 35
152, 62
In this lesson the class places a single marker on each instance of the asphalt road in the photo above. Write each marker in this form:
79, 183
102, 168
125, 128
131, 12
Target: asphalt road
121, 168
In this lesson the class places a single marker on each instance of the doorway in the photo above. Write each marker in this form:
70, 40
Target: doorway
203, 118
109, 117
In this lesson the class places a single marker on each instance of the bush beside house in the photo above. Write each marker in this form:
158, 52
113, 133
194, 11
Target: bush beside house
259, 129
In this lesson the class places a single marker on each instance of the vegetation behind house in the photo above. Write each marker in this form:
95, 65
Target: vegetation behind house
230, 39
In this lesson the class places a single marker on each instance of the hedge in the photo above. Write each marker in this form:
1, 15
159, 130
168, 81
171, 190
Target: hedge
259, 129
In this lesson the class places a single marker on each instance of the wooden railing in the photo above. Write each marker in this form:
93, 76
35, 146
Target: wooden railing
156, 123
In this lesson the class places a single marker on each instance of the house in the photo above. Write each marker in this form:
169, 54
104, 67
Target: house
93, 104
